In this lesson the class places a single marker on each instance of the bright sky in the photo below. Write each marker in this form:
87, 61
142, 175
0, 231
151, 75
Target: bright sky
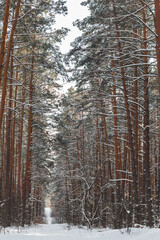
75, 11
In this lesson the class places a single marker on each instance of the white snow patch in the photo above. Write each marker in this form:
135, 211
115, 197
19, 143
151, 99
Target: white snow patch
62, 232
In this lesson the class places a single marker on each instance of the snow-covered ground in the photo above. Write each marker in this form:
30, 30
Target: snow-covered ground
61, 232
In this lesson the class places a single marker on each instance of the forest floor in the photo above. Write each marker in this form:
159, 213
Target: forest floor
62, 232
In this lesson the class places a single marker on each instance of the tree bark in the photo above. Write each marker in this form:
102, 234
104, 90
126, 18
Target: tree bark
146, 156
4, 36
4, 88
129, 123
157, 28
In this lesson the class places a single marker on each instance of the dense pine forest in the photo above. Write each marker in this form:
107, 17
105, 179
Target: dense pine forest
95, 150
29, 63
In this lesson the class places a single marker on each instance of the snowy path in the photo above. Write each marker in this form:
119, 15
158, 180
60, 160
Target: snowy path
48, 215
60, 232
